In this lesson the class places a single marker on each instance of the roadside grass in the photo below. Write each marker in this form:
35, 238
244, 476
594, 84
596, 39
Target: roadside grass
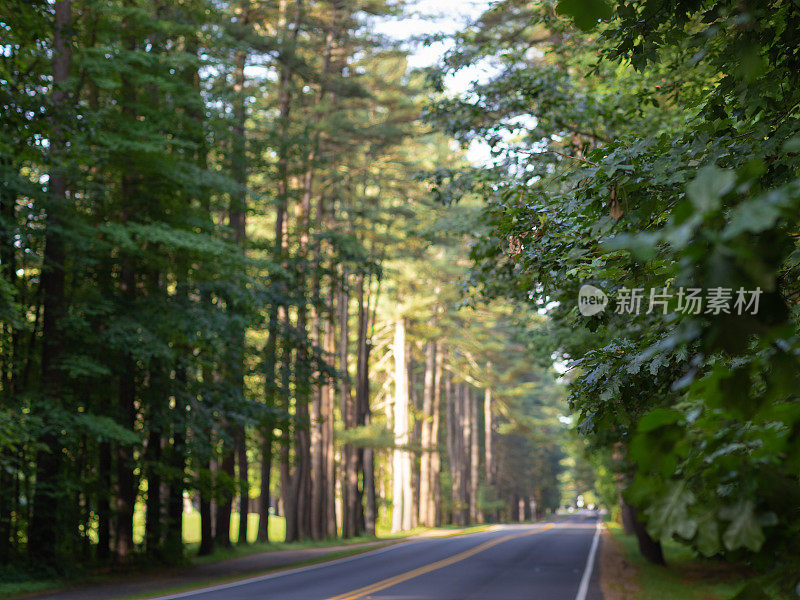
12, 589
625, 575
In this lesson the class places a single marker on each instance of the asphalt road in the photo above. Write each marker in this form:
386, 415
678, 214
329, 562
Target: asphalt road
544, 561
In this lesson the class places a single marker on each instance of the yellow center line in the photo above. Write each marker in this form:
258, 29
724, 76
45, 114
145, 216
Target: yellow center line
386, 583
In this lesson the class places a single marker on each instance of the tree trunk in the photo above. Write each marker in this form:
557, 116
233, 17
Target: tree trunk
237, 220
126, 494
317, 452
649, 548
278, 312
244, 483
153, 508
474, 462
488, 432
104, 502
349, 480
415, 405
45, 532
206, 515
452, 431
488, 441
370, 509
126, 481
289, 488
329, 399
401, 461
426, 517
266, 474
626, 514
362, 414
302, 371
222, 529
464, 451
434, 508
173, 543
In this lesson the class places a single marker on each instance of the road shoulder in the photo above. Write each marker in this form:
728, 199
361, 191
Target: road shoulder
625, 575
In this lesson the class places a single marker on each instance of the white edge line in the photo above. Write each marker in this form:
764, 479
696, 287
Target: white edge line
583, 589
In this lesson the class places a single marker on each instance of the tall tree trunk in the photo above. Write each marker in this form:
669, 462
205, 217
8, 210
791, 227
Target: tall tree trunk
173, 542
371, 508
206, 504
427, 518
329, 451
464, 452
207, 490
222, 529
278, 312
266, 475
415, 405
244, 483
456, 456
126, 481
153, 507
347, 409
401, 460
238, 224
318, 486
104, 502
45, 533
321, 442
488, 440
434, 507
452, 432
366, 516
474, 462
289, 488
649, 548
8, 376
302, 367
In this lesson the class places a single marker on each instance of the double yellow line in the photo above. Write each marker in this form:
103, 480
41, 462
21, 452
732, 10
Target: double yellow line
386, 583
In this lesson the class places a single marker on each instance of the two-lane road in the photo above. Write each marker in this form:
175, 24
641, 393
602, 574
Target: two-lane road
545, 561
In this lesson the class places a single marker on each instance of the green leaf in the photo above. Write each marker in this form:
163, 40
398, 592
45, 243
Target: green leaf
744, 530
670, 515
754, 216
585, 13
658, 418
792, 144
105, 428
707, 540
710, 184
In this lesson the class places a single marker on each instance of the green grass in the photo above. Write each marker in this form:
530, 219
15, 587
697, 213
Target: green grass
686, 577
18, 588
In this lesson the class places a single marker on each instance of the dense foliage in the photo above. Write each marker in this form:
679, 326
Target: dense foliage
655, 149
